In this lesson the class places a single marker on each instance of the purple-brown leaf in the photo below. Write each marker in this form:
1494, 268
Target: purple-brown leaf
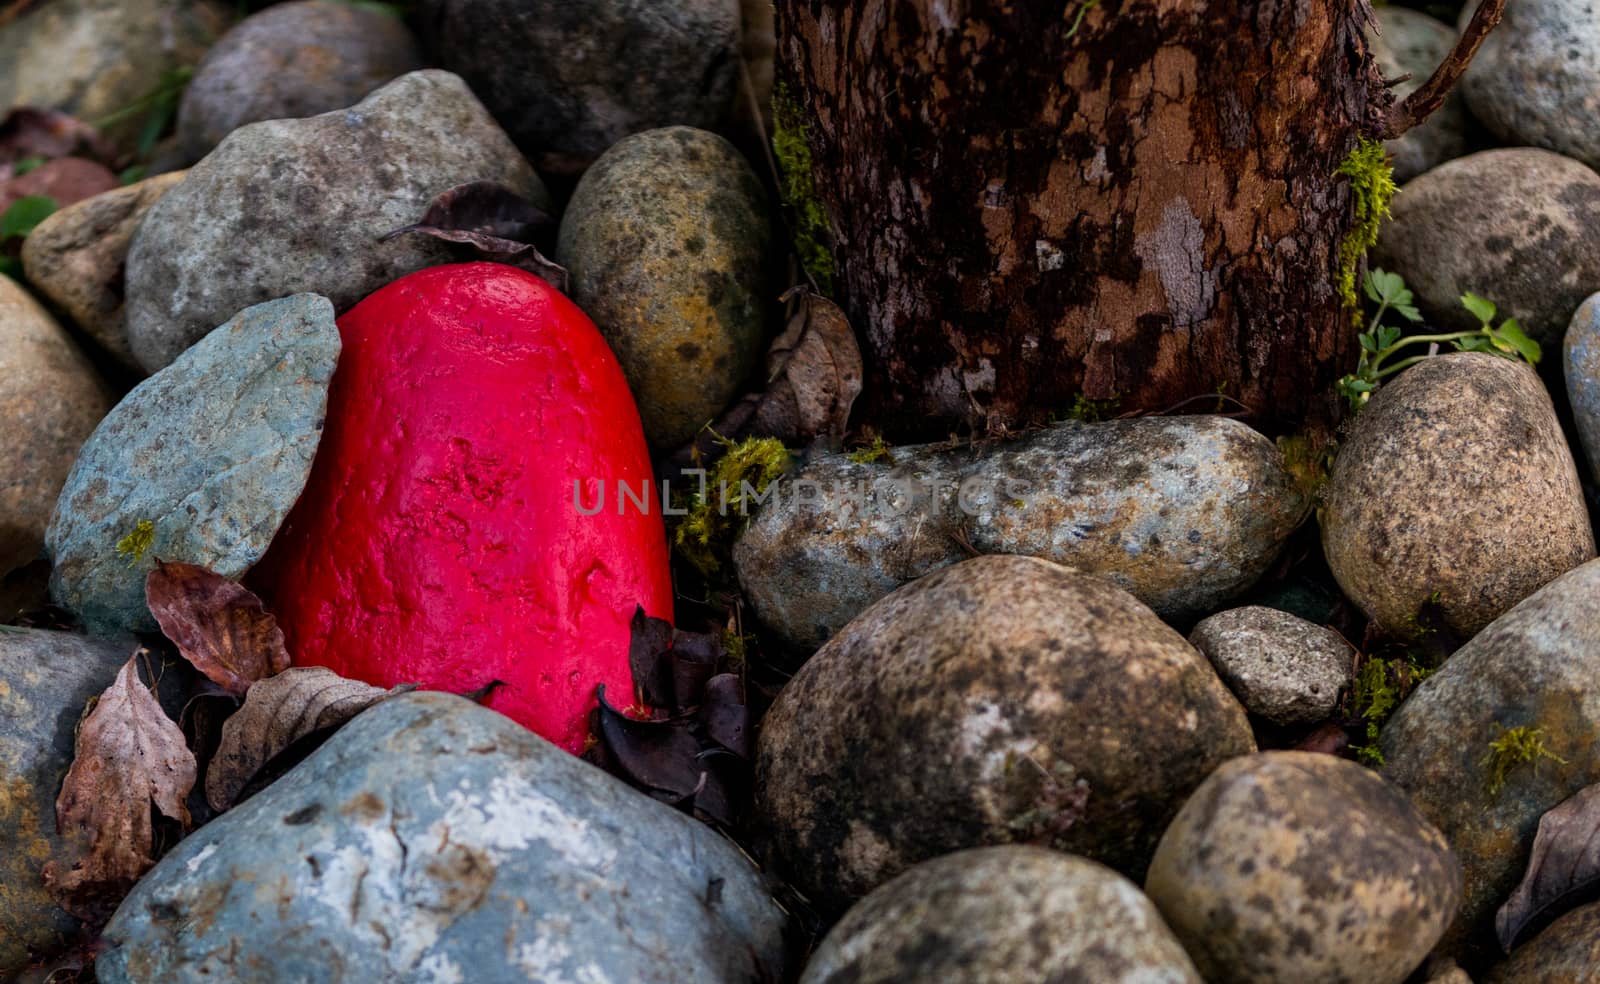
1563, 870
495, 221
218, 625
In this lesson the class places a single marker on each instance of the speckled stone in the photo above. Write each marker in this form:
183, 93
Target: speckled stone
77, 258
434, 840
1294, 866
1182, 512
1519, 226
569, 79
1282, 668
50, 399
1409, 42
667, 240
46, 679
93, 58
1536, 79
1005, 699
288, 61
1456, 480
1002, 915
1534, 667
212, 451
1567, 952
1582, 362
285, 206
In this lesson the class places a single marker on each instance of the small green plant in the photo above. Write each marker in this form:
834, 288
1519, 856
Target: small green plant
812, 230
874, 450
1380, 686
1092, 411
15, 223
136, 544
156, 109
1372, 188
1380, 342
705, 535
1514, 747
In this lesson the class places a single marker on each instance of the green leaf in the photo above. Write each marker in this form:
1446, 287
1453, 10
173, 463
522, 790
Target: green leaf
1367, 341
1388, 336
1361, 385
1385, 286
132, 175
1405, 309
26, 164
11, 267
24, 214
1511, 334
1481, 309
1474, 343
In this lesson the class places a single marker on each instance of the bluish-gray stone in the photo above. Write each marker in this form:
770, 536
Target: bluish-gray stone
1582, 353
1182, 512
434, 840
211, 452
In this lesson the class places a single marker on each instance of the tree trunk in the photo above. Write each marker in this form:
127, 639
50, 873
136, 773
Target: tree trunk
1033, 201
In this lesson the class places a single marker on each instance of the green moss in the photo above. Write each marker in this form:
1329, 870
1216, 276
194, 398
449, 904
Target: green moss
705, 536
1092, 411
736, 647
877, 449
1380, 686
1372, 188
1307, 459
136, 544
1516, 746
812, 231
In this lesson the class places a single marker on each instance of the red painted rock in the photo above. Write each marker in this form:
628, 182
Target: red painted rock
438, 540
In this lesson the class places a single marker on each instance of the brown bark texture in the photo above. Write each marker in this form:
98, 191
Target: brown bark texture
1132, 200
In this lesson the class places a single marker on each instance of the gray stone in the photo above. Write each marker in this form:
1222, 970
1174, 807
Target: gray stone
211, 452
1454, 488
1005, 699
1296, 866
1519, 226
1003, 915
1534, 668
434, 840
288, 61
668, 240
46, 679
77, 257
1582, 359
285, 206
1282, 668
1536, 79
1183, 512
1567, 952
96, 58
1409, 42
51, 398
568, 79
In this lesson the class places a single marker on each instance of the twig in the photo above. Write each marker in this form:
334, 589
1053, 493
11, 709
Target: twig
13, 10
1417, 107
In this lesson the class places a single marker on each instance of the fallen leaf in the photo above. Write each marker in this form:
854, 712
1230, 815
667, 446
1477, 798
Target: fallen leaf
814, 373
218, 625
129, 754
1563, 870
496, 222
278, 711
27, 132
724, 714
65, 180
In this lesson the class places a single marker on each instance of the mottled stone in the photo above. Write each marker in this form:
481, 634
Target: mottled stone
46, 679
285, 206
77, 258
1582, 360
667, 240
1294, 866
1002, 915
1282, 668
1536, 79
50, 399
1567, 952
211, 452
1183, 512
95, 58
1005, 699
1519, 226
434, 840
1535, 667
288, 61
568, 80
1409, 42
1454, 487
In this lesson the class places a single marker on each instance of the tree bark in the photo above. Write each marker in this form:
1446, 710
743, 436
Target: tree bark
1033, 201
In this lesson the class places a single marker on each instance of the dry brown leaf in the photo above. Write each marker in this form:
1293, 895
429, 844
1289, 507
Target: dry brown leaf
129, 754
1563, 869
218, 625
495, 221
814, 373
277, 712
